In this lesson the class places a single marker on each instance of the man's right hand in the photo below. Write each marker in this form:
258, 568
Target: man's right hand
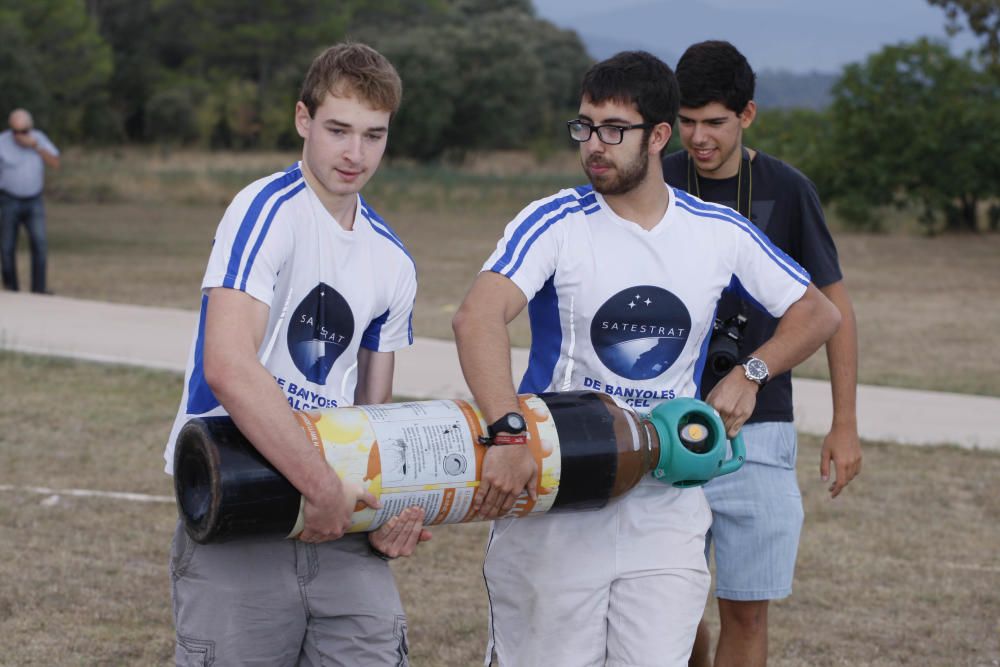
507, 471
327, 514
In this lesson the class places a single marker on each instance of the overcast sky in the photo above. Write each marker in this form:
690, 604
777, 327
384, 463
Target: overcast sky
796, 35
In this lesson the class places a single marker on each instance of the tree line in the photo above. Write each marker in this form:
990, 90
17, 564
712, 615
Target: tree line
226, 73
912, 124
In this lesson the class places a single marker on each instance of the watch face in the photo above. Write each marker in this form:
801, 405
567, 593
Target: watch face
511, 422
756, 369
515, 421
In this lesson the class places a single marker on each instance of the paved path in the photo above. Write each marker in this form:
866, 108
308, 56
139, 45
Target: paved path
160, 338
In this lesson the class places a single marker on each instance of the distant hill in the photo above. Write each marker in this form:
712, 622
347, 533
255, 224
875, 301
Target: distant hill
788, 90
776, 89
798, 47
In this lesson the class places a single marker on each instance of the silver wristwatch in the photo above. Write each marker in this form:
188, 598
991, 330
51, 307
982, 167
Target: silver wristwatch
756, 370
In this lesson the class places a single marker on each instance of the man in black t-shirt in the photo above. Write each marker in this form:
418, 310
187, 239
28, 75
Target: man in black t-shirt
757, 511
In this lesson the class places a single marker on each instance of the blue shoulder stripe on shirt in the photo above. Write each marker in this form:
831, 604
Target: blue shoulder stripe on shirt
718, 212
263, 232
557, 208
546, 339
382, 227
250, 220
373, 333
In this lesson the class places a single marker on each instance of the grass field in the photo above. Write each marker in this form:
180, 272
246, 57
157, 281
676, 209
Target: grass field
903, 569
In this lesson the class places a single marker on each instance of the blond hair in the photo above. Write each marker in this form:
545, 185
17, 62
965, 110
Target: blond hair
352, 69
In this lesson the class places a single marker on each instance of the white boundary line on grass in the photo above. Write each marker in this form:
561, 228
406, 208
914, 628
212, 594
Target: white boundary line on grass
89, 493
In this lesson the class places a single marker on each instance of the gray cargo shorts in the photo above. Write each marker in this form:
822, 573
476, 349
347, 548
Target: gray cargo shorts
284, 602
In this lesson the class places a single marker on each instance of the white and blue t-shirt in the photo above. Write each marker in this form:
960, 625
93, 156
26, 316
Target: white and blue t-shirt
330, 292
629, 312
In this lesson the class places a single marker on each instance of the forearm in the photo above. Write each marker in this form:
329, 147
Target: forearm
257, 406
484, 353
805, 326
51, 160
234, 329
480, 327
375, 371
842, 359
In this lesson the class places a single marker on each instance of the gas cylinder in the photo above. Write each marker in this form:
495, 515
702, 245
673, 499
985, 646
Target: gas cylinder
588, 447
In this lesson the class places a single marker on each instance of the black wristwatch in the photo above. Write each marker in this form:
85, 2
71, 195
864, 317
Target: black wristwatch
508, 430
755, 370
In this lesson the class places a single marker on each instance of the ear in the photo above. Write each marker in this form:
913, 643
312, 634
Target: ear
659, 137
748, 114
303, 120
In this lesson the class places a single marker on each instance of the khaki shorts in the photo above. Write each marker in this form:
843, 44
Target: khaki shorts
283, 602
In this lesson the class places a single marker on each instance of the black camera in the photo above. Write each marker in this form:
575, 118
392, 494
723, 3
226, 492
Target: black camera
724, 347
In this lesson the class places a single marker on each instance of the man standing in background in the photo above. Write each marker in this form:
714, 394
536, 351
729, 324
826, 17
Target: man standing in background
24, 154
757, 512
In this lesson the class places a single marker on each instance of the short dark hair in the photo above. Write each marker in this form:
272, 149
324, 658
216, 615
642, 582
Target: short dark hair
635, 77
715, 71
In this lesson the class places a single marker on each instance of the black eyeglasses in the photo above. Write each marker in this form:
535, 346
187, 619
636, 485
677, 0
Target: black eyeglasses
580, 130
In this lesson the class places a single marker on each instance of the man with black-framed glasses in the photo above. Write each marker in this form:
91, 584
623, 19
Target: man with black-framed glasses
24, 154
622, 279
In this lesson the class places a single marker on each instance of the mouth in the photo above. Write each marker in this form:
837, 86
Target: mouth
702, 154
348, 174
598, 167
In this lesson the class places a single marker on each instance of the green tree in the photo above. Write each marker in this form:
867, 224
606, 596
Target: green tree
231, 67
54, 62
430, 87
801, 137
480, 74
914, 123
983, 18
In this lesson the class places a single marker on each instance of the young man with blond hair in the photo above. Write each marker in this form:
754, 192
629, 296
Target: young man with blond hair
307, 294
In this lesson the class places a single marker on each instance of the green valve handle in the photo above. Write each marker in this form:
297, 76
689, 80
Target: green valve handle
693, 443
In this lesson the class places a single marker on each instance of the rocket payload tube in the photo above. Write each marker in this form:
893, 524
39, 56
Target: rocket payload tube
589, 449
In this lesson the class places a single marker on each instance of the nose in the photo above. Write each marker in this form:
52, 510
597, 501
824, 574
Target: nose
698, 134
354, 150
593, 144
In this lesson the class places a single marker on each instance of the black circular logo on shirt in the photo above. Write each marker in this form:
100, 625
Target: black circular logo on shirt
320, 330
639, 332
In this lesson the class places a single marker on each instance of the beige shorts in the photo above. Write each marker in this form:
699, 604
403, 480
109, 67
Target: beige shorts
283, 602
621, 586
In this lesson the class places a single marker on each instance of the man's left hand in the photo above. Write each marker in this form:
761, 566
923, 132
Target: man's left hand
400, 535
842, 447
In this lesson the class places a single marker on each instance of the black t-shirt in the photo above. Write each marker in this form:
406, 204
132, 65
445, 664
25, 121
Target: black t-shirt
785, 206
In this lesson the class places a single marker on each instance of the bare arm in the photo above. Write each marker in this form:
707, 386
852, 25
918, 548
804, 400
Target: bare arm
375, 371
842, 446
480, 327
807, 324
234, 328
51, 160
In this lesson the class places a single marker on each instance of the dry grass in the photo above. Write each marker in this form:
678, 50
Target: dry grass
903, 569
